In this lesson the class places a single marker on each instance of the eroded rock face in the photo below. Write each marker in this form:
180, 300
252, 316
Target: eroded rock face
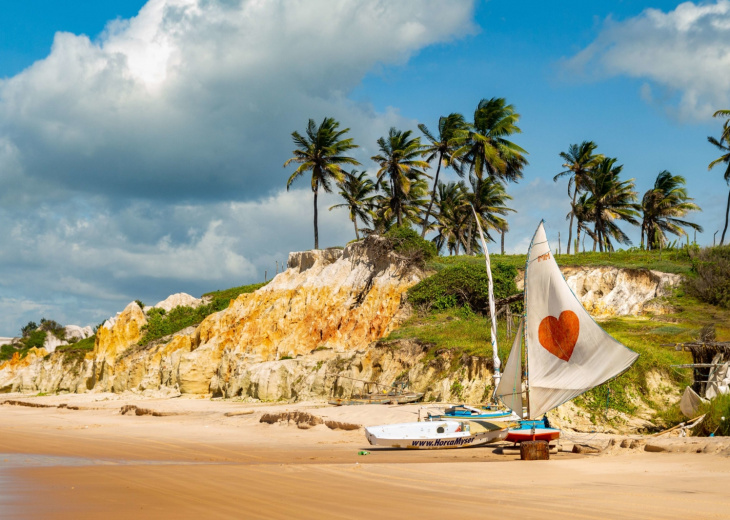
610, 291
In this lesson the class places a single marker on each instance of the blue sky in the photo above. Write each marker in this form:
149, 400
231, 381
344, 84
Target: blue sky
142, 143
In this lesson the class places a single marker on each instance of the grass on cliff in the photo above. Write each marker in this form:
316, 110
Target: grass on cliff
78, 350
161, 323
35, 339
667, 261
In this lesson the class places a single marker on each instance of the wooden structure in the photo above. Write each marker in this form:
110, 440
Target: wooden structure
534, 450
703, 354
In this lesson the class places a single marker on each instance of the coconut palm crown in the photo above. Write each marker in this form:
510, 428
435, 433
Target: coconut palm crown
662, 206
401, 167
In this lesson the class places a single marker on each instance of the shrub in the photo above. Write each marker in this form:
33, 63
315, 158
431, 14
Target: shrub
717, 417
408, 243
28, 328
709, 279
53, 327
464, 285
35, 339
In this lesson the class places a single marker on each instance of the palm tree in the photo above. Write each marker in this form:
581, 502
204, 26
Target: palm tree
579, 162
452, 217
357, 190
582, 210
400, 164
612, 200
487, 150
723, 144
661, 206
381, 211
322, 150
451, 133
489, 202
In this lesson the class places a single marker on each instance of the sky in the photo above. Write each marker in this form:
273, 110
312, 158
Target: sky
142, 143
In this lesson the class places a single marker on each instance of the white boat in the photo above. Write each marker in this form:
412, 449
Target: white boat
430, 435
566, 352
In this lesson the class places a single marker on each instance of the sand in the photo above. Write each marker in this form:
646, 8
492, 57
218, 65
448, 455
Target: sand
214, 459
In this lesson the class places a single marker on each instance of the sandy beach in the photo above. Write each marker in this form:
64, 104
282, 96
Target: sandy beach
214, 459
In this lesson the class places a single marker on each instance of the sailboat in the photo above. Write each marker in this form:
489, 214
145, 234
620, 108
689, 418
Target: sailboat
566, 352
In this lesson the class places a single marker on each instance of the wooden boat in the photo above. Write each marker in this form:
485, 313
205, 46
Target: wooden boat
430, 435
375, 398
532, 431
396, 394
463, 411
566, 353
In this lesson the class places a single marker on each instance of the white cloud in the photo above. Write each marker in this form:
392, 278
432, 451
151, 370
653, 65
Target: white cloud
148, 161
196, 99
686, 51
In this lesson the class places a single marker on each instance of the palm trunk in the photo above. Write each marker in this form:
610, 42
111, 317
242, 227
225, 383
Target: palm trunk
467, 246
357, 235
502, 232
642, 236
727, 212
577, 238
316, 230
433, 197
572, 214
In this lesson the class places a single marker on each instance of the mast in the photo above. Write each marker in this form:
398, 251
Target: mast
524, 310
492, 313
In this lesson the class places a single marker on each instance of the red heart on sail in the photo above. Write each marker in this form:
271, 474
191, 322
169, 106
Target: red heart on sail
559, 335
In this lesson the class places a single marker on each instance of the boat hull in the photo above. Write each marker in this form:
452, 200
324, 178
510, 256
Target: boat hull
432, 435
526, 434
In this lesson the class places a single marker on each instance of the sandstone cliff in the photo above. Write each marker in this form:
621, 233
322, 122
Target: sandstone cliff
310, 333
334, 299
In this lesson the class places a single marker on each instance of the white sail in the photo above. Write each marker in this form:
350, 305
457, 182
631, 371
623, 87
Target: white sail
509, 390
492, 314
567, 352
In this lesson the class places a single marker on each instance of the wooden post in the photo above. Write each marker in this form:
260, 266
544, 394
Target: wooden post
509, 321
534, 450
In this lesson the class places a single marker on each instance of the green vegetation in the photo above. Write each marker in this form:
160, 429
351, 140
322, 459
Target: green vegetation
35, 338
408, 243
77, 350
677, 260
710, 279
717, 418
161, 323
462, 285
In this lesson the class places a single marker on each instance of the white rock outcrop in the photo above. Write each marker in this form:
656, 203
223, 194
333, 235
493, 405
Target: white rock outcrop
613, 291
77, 332
178, 300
